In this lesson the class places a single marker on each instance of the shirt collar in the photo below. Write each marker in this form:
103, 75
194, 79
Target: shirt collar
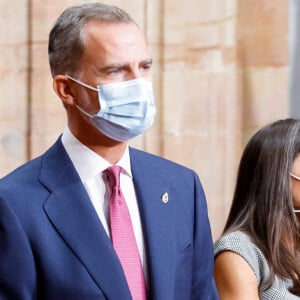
87, 162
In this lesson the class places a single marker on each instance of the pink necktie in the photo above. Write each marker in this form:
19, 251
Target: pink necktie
123, 236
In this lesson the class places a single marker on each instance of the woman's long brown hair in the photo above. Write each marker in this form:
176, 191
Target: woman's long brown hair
262, 204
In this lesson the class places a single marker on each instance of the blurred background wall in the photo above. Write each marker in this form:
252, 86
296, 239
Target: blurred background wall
221, 72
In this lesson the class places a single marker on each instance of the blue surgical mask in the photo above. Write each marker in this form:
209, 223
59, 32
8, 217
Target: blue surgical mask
127, 108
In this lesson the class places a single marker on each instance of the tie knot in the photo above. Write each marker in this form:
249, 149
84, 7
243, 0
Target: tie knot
113, 176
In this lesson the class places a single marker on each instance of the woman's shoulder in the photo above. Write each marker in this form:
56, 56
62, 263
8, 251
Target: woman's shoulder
240, 243
232, 240
236, 241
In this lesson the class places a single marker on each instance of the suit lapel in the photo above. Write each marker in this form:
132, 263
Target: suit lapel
159, 233
74, 217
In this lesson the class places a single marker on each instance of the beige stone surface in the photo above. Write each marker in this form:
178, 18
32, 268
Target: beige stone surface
262, 32
263, 59
265, 97
220, 73
13, 84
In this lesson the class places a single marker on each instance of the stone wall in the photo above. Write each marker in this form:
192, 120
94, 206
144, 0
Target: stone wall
220, 74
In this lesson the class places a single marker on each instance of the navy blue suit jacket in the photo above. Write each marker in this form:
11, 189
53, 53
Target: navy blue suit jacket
53, 245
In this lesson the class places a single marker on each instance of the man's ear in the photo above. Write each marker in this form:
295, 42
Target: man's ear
64, 89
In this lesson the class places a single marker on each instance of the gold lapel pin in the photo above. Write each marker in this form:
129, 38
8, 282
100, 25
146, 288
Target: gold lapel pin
165, 198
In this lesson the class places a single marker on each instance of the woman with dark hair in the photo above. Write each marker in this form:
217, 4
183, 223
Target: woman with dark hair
258, 255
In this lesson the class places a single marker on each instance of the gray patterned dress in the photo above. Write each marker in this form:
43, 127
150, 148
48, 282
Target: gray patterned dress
241, 244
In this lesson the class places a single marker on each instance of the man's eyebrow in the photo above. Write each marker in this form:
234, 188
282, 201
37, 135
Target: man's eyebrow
112, 66
124, 64
147, 61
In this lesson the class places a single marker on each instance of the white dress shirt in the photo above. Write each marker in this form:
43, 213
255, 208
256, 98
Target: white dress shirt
90, 167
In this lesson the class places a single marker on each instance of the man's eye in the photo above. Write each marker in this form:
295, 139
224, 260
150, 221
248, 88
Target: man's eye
146, 68
114, 71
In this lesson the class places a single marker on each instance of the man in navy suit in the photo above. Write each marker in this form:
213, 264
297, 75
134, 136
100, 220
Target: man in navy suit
55, 237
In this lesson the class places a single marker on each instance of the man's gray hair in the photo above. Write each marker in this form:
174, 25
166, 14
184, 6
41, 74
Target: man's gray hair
66, 39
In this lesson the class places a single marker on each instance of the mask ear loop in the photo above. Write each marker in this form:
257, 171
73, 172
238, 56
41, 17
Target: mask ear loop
297, 178
82, 83
84, 112
87, 86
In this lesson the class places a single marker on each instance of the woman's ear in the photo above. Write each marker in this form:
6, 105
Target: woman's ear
64, 89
